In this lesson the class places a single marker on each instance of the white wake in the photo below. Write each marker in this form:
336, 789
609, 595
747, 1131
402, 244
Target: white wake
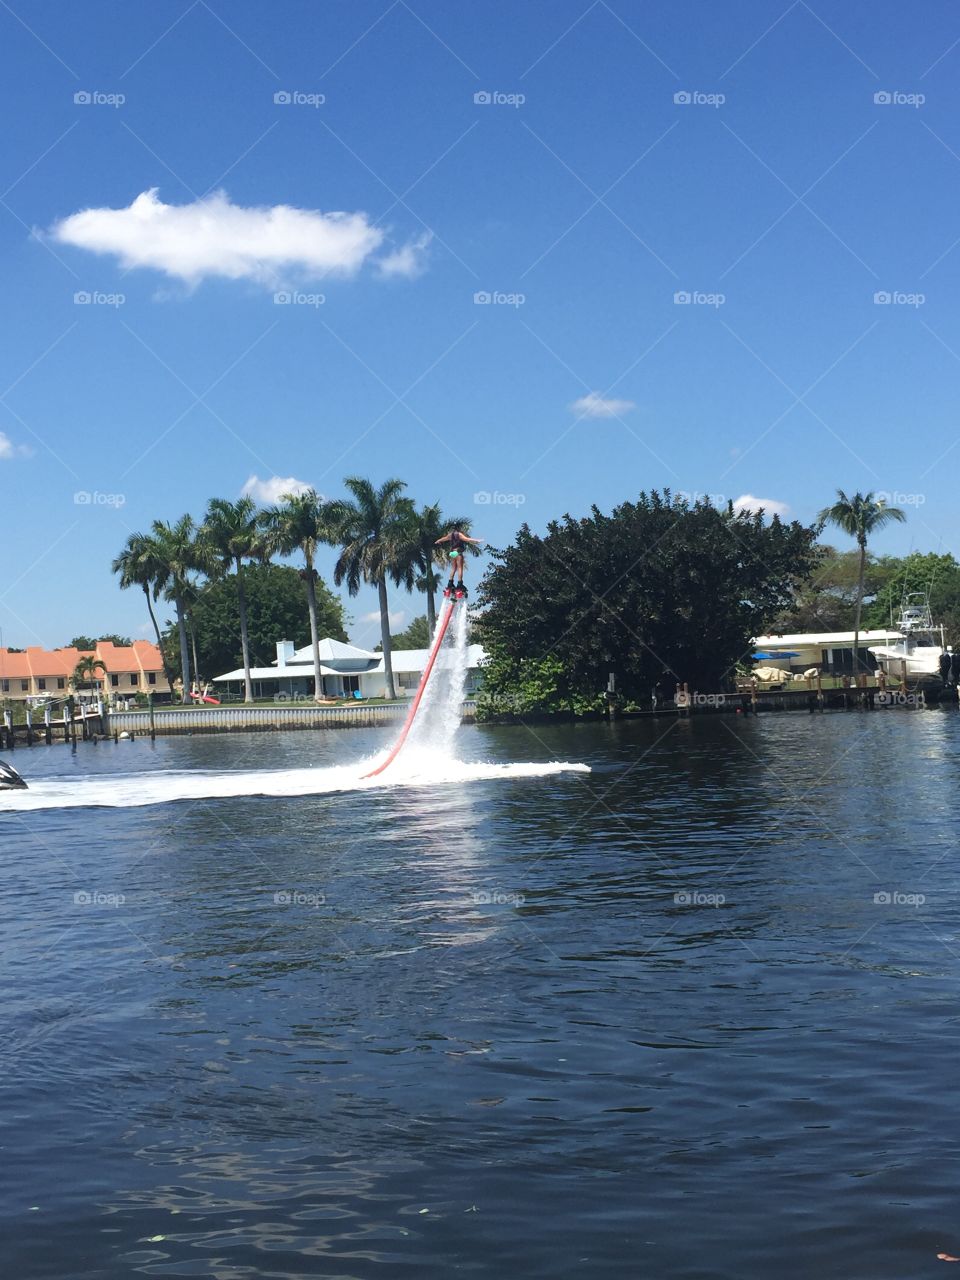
130, 790
426, 759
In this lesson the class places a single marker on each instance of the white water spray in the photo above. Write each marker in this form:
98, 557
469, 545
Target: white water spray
438, 720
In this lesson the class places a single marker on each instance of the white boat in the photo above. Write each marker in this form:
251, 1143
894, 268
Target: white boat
921, 644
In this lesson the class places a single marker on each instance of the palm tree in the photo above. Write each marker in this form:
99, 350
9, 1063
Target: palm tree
178, 556
859, 515
85, 671
302, 523
430, 524
374, 532
139, 565
230, 534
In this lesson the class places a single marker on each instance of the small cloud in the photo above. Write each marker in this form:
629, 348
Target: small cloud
270, 492
747, 502
396, 619
212, 237
407, 261
594, 405
10, 450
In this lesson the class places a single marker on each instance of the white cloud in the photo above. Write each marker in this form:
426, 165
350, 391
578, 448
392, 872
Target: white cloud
213, 237
594, 405
10, 450
271, 491
408, 261
396, 619
747, 502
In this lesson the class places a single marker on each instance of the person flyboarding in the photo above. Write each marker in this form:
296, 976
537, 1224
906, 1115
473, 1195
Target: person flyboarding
458, 541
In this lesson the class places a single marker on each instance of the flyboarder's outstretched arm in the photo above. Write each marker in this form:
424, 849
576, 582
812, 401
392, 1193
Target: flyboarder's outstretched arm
463, 538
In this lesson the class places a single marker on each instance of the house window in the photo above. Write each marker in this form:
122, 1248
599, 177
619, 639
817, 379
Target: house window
114, 681
6, 686
151, 677
24, 686
351, 684
61, 682
408, 679
134, 680
41, 683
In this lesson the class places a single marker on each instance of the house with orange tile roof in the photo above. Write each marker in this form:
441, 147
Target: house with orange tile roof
38, 673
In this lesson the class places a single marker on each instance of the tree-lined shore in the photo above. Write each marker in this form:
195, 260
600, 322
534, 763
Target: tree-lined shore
203, 568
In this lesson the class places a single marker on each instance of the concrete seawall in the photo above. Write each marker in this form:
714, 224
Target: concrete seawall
243, 719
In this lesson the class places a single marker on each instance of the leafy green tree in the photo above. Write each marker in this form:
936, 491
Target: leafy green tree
274, 598
139, 565
659, 587
937, 575
85, 673
303, 522
82, 642
374, 532
859, 515
178, 559
231, 533
826, 600
416, 636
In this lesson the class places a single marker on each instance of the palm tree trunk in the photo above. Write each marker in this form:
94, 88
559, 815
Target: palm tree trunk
314, 634
385, 638
167, 673
856, 624
193, 650
184, 651
244, 636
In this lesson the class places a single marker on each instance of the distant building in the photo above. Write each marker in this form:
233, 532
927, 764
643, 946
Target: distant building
345, 671
37, 674
831, 651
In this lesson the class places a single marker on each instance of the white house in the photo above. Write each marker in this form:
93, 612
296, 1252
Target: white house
828, 650
345, 671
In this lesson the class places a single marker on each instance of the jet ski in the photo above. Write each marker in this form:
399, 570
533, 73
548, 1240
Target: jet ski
9, 778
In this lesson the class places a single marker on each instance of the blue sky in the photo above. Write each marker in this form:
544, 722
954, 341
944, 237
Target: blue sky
620, 155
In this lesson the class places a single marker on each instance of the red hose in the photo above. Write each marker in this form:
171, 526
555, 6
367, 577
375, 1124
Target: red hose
441, 632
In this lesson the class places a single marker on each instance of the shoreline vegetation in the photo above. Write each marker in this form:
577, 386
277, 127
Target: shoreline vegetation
212, 573
606, 614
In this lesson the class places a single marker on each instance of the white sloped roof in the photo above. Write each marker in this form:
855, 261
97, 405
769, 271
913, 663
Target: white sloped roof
333, 651
819, 638
278, 673
416, 659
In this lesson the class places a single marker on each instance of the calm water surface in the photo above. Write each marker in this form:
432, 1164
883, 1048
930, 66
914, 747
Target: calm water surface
647, 1021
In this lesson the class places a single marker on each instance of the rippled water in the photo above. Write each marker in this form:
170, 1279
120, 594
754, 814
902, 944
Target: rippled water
643, 1021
